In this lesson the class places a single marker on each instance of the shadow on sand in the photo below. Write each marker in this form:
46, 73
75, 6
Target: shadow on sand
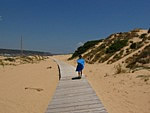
76, 78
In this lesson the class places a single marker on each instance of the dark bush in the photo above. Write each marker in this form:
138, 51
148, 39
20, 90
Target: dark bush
149, 30
143, 58
10, 59
116, 46
131, 41
143, 35
84, 48
132, 34
105, 58
133, 46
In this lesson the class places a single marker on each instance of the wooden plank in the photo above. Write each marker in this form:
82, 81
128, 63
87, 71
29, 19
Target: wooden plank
76, 108
73, 101
55, 106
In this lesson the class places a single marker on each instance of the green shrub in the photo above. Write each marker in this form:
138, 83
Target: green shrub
10, 59
142, 58
84, 48
105, 58
116, 46
149, 30
132, 34
131, 41
117, 56
133, 46
143, 35
96, 57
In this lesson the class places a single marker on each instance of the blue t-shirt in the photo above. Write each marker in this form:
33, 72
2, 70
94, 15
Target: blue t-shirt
81, 61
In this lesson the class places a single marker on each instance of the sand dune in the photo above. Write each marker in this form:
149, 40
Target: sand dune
27, 88
120, 93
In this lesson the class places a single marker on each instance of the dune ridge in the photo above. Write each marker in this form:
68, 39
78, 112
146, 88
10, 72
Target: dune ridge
118, 69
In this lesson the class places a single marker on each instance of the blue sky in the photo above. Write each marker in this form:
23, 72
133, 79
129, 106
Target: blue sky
59, 26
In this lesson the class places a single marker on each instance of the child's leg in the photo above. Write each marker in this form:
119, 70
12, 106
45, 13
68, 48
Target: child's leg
79, 73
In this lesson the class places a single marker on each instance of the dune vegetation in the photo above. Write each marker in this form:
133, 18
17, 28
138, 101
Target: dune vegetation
5, 61
132, 47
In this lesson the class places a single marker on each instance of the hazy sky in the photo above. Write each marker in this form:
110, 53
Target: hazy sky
59, 26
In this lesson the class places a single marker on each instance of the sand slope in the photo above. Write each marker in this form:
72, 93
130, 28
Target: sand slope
120, 93
27, 88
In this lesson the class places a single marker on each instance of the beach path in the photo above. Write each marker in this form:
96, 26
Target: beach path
73, 95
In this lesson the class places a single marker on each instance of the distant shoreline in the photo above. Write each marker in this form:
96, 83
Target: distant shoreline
17, 52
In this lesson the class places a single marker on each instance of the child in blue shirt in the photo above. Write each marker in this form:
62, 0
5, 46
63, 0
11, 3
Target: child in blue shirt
80, 65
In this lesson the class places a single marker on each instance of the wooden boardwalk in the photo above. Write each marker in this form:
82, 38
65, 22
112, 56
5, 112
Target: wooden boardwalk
73, 96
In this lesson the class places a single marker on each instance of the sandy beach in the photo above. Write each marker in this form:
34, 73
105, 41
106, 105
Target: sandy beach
27, 88
120, 93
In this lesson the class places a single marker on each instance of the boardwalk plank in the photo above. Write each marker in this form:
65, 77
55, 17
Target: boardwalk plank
74, 96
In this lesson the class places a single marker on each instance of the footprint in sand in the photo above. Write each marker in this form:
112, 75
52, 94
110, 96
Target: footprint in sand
37, 89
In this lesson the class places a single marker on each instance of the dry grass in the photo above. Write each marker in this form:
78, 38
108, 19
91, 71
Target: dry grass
2, 63
119, 69
140, 59
144, 77
21, 60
